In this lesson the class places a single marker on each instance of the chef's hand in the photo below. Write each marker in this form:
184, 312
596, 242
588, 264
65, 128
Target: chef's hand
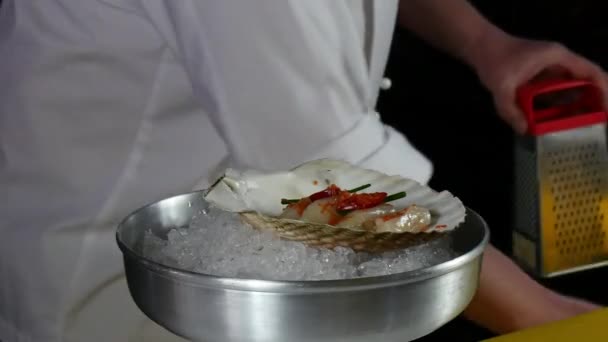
504, 63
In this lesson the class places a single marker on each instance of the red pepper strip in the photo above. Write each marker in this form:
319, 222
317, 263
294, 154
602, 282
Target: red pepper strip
361, 201
330, 191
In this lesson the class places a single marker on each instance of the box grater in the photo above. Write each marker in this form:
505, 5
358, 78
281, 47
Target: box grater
561, 179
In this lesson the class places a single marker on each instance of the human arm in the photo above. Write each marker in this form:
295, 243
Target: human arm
454, 26
502, 61
509, 300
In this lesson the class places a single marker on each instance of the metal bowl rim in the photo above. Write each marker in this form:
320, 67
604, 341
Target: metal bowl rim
295, 286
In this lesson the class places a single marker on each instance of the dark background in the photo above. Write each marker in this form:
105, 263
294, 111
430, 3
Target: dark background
446, 113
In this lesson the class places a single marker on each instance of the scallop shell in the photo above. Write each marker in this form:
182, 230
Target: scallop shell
257, 197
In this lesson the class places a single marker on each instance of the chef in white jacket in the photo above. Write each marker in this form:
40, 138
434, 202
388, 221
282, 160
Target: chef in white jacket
106, 105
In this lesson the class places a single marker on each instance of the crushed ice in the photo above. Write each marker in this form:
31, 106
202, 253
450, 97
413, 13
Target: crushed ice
221, 245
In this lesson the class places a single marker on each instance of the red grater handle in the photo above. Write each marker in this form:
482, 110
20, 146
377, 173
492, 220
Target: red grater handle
586, 110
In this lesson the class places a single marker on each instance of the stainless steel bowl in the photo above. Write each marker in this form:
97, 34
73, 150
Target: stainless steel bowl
400, 307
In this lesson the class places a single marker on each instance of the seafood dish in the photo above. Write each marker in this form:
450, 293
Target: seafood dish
334, 203
350, 209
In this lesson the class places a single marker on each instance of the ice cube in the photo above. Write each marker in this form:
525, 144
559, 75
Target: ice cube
220, 244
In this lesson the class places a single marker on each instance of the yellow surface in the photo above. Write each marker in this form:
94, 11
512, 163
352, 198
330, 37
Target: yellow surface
551, 258
590, 327
572, 203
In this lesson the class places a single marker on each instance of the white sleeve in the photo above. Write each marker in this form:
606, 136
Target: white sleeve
267, 72
285, 81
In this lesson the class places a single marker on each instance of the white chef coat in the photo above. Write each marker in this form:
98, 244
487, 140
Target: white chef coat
106, 105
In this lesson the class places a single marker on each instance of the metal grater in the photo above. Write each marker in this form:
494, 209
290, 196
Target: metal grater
561, 180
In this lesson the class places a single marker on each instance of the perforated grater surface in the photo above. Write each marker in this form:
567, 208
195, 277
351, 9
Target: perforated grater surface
561, 180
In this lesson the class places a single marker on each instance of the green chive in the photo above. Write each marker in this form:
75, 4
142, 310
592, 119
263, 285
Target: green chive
290, 201
360, 188
394, 197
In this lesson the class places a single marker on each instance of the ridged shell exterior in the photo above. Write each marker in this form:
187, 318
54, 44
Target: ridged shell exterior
321, 235
257, 196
